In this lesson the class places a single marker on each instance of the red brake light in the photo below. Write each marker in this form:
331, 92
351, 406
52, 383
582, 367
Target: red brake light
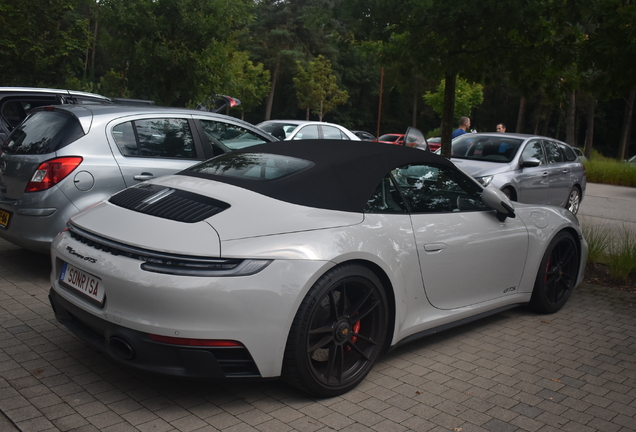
195, 342
52, 172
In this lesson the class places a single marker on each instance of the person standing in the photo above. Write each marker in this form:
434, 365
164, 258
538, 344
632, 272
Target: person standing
501, 127
464, 123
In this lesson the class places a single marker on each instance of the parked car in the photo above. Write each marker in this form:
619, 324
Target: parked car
16, 102
632, 160
298, 265
434, 143
364, 136
527, 168
65, 158
392, 139
579, 153
286, 130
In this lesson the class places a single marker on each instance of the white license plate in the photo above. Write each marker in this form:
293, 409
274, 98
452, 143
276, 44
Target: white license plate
83, 282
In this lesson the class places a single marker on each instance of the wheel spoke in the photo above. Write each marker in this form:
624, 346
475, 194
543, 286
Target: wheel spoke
363, 337
321, 343
360, 302
358, 350
364, 312
336, 359
323, 329
333, 305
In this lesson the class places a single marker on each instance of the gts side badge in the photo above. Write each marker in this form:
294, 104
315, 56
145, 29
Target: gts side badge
158, 196
509, 290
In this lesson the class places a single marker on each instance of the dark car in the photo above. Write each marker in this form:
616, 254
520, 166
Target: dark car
16, 102
364, 136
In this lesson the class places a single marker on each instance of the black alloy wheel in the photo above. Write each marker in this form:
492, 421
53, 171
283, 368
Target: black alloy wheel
557, 274
338, 332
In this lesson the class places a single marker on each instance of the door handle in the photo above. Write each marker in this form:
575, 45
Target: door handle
144, 176
545, 174
435, 247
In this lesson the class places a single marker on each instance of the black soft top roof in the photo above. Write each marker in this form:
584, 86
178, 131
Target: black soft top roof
343, 176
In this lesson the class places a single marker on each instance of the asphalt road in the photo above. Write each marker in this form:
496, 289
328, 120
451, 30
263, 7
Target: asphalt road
613, 206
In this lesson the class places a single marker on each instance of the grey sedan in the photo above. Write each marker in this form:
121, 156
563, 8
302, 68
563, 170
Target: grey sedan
528, 168
65, 158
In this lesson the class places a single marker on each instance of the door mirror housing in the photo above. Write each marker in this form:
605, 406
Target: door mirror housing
530, 162
497, 200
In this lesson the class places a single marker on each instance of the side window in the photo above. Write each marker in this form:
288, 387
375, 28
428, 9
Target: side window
437, 189
124, 136
553, 152
308, 132
386, 198
330, 132
533, 150
570, 156
233, 136
165, 138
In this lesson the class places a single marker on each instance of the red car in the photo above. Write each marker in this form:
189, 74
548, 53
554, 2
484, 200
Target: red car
392, 139
434, 143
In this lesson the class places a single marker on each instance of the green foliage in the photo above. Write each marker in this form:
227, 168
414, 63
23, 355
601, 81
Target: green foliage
42, 43
467, 97
599, 238
247, 81
610, 171
173, 51
316, 87
621, 257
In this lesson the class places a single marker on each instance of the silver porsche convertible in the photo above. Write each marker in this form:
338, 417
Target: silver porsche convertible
303, 260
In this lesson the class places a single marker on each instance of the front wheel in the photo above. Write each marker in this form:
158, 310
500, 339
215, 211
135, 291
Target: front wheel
574, 200
338, 332
557, 274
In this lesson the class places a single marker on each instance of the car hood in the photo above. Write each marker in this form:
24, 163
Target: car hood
249, 215
480, 168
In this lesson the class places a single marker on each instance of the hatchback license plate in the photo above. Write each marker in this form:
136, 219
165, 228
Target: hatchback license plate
4, 218
83, 282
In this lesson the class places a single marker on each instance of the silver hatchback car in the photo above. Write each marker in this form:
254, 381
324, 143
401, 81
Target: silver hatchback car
65, 158
528, 168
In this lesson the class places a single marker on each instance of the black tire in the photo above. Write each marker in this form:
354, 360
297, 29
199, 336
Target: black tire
574, 200
338, 332
557, 274
510, 193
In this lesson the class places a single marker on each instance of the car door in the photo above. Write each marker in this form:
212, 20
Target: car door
467, 256
330, 132
559, 173
306, 132
150, 147
532, 183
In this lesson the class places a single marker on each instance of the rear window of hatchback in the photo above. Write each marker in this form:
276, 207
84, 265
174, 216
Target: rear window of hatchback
43, 132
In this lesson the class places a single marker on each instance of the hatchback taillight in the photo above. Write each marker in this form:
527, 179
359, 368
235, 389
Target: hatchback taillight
52, 172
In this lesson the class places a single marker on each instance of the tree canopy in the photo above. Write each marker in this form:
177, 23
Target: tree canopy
556, 67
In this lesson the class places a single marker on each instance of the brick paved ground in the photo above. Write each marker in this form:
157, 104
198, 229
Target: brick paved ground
516, 371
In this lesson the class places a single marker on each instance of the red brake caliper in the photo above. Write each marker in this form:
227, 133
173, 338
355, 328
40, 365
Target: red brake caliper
353, 339
547, 268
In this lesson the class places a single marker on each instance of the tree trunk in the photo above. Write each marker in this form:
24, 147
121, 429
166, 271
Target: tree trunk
415, 99
521, 115
623, 145
448, 113
570, 120
589, 134
272, 90
546, 122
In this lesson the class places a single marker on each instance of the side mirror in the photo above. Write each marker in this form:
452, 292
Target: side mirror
497, 200
530, 162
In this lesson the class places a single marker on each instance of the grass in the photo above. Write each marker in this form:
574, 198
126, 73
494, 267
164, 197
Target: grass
617, 250
601, 169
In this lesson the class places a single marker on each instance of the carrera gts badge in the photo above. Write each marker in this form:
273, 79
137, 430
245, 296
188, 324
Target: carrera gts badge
79, 255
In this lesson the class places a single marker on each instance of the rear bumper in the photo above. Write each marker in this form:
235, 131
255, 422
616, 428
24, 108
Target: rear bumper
137, 350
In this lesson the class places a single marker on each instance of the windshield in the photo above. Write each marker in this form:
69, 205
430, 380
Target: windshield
251, 166
391, 138
485, 148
